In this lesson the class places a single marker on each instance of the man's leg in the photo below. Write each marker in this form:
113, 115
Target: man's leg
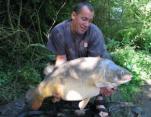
100, 106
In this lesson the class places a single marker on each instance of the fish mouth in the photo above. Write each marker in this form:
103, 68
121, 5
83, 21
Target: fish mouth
125, 79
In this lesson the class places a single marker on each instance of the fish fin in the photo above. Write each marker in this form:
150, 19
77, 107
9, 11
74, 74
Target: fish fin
36, 105
83, 103
104, 84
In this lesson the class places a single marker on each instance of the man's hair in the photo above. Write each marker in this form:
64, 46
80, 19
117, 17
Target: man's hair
77, 8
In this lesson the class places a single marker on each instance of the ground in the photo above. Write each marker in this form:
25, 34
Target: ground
145, 98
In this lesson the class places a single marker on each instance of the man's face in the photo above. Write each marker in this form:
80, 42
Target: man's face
81, 21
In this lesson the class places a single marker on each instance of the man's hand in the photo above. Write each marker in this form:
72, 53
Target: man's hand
107, 91
60, 59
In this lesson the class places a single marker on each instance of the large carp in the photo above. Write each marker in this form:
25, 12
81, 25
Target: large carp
79, 80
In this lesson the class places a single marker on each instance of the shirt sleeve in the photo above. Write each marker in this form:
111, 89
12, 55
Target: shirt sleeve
97, 45
55, 42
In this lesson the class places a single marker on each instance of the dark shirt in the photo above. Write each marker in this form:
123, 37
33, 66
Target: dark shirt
63, 42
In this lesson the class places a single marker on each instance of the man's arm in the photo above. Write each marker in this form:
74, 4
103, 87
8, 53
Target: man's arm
107, 91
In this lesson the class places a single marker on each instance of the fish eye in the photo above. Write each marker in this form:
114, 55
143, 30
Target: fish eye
122, 73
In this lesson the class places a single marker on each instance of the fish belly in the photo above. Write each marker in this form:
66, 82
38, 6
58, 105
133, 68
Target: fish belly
74, 91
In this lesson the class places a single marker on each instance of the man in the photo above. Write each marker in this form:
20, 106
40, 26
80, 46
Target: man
78, 37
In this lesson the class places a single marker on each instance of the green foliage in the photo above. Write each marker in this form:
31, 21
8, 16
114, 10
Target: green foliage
126, 21
14, 83
24, 23
138, 63
144, 39
112, 44
23, 29
8, 87
5, 78
28, 75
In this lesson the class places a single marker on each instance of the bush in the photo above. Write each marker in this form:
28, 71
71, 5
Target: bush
14, 83
138, 63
